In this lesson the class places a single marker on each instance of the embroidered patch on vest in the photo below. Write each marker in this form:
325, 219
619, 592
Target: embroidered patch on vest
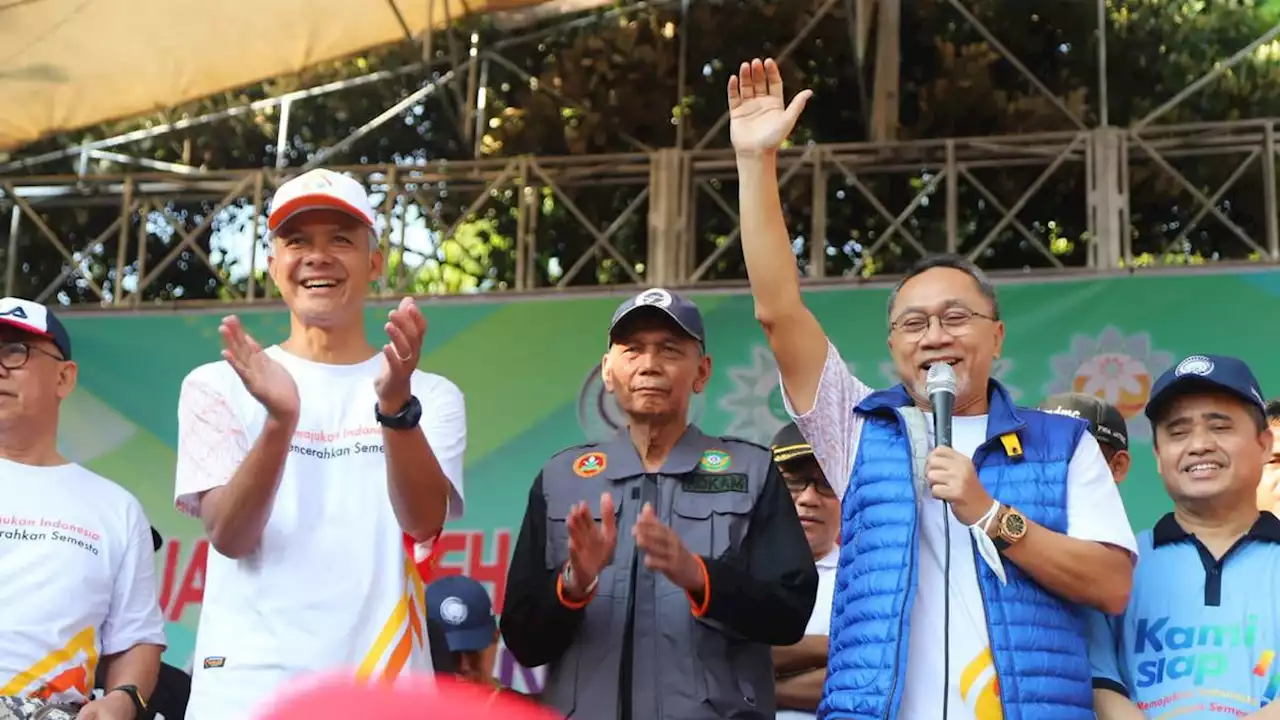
715, 461
590, 465
734, 482
1012, 446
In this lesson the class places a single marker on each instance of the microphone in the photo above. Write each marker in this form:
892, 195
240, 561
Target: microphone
940, 383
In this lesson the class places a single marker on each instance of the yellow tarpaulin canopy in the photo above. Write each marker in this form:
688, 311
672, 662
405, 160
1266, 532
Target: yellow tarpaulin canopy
67, 64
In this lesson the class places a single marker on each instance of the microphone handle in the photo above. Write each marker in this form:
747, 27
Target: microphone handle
943, 402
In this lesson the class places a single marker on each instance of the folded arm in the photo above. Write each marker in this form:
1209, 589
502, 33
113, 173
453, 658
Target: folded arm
1082, 571
803, 691
808, 654
1092, 564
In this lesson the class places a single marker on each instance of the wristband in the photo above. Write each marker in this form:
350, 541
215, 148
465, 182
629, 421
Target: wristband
984, 522
568, 580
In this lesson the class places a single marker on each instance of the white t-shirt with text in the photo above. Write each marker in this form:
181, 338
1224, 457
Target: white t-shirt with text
1095, 512
820, 618
331, 586
77, 579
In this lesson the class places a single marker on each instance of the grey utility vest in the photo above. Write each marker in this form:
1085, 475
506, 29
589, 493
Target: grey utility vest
682, 667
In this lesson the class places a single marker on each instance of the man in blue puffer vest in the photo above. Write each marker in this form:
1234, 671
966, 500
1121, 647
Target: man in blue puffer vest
1035, 528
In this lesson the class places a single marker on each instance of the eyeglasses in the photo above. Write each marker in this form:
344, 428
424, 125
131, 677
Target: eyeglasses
954, 320
14, 355
797, 485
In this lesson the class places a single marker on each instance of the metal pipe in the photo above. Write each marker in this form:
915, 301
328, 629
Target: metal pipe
282, 134
1103, 113
412, 99
1208, 77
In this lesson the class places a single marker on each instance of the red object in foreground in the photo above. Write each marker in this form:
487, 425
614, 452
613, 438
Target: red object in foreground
344, 698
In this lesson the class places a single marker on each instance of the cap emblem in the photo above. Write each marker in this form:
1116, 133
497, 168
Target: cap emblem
656, 297
1194, 365
453, 610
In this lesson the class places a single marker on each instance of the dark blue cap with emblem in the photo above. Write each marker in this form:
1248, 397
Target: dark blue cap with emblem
462, 607
1205, 373
685, 314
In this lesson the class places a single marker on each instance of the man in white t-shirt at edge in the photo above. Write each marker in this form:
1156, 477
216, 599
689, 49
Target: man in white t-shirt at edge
308, 461
77, 573
801, 669
1036, 525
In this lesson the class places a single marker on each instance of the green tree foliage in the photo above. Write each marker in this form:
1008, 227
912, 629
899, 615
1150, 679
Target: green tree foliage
613, 86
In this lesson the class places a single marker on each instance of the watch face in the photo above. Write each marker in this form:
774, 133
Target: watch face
1015, 525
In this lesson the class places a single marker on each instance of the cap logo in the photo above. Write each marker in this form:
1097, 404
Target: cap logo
453, 610
1194, 365
17, 312
656, 297
715, 461
590, 465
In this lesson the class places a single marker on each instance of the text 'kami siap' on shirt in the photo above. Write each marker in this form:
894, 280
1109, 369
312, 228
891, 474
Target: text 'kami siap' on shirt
77, 579
331, 584
1200, 636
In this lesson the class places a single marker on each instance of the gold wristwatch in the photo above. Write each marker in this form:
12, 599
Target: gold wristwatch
1009, 527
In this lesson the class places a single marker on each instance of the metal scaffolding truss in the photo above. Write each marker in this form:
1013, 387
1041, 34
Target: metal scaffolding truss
677, 224
679, 199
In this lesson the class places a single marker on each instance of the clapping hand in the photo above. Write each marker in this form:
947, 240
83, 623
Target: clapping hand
665, 552
266, 380
759, 118
406, 328
591, 544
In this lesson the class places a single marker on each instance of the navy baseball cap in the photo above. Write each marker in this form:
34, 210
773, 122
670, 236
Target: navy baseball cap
1106, 423
462, 607
1201, 373
682, 311
36, 319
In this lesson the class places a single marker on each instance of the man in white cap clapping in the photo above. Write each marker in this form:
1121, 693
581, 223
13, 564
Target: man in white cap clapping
308, 461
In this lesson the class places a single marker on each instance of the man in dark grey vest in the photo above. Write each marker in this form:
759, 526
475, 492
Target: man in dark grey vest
654, 571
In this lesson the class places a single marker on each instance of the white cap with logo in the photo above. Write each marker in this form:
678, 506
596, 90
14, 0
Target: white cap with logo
320, 189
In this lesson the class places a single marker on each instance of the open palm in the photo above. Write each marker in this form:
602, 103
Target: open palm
266, 380
759, 118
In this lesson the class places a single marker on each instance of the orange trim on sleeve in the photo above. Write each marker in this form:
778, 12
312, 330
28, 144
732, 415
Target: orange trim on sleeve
566, 601
701, 609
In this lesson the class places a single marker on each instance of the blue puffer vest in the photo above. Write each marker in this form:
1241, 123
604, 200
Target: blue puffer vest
1037, 640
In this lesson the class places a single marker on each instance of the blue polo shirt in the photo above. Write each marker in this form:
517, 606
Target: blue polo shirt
1200, 635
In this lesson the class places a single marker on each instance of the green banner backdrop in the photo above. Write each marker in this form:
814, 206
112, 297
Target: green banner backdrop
529, 372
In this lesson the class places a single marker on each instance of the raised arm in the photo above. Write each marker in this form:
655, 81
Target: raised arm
759, 122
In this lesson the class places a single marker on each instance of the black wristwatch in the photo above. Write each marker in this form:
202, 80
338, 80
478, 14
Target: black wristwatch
407, 419
139, 705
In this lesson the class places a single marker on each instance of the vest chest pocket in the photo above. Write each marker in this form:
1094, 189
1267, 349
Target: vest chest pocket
711, 524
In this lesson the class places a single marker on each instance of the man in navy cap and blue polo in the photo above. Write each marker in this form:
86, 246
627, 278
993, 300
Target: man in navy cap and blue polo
654, 570
1200, 633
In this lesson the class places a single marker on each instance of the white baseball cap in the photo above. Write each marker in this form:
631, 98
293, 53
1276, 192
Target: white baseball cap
320, 189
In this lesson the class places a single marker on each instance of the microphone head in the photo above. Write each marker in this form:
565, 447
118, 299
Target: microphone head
941, 378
